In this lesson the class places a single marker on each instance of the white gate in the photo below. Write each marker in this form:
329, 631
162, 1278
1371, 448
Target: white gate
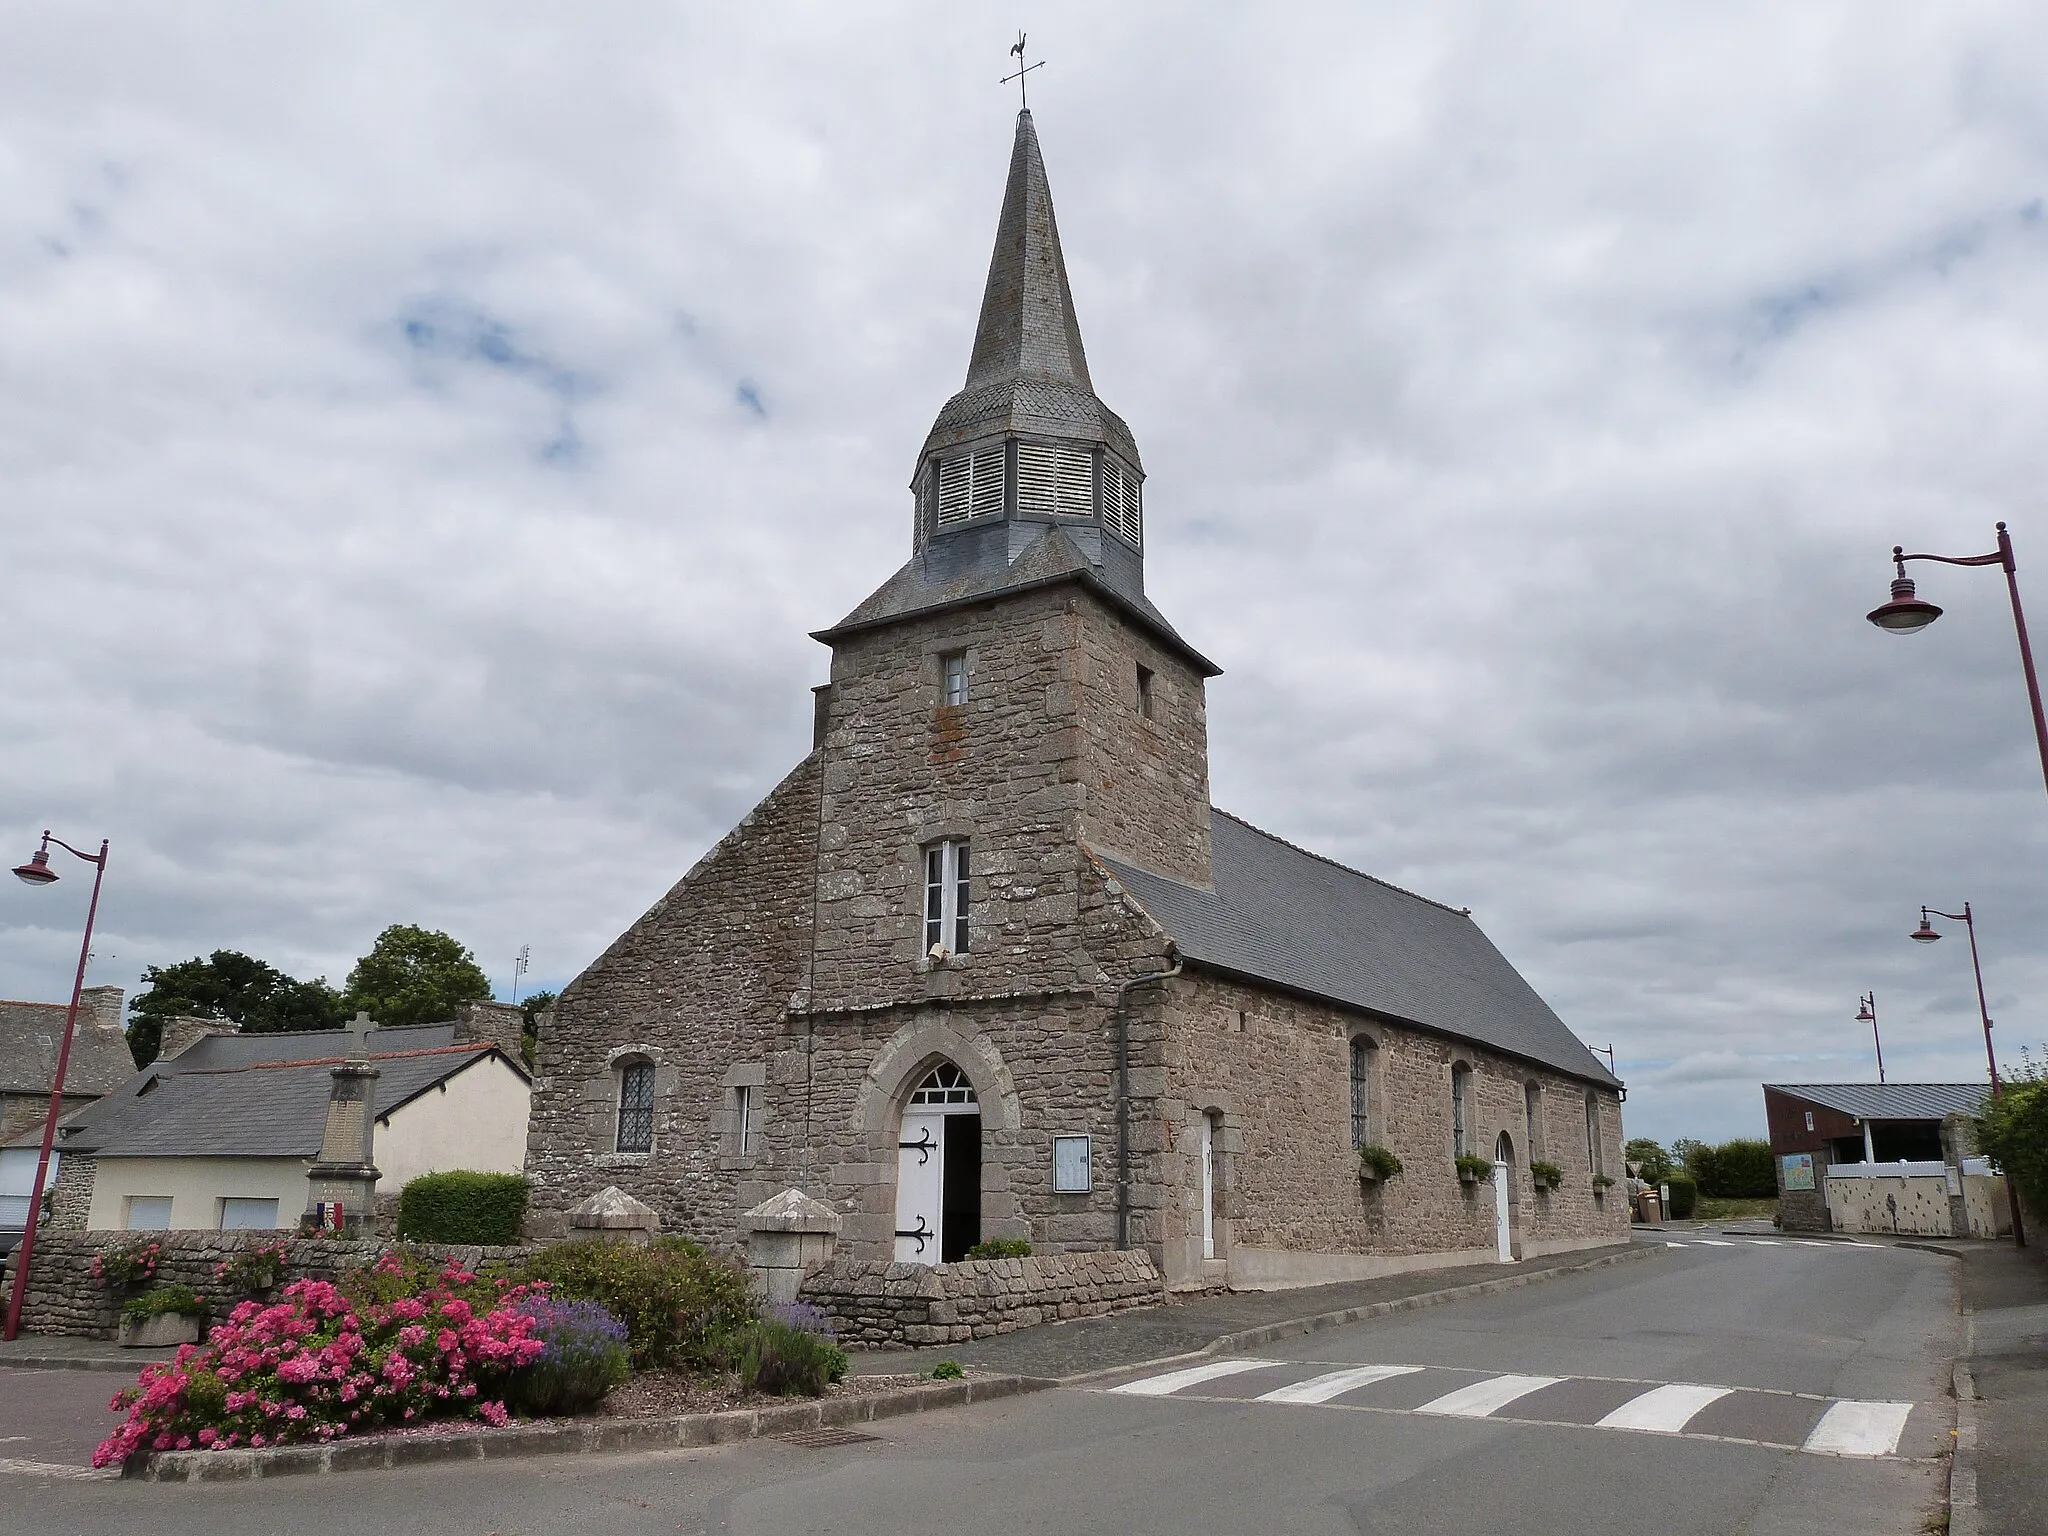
1503, 1219
921, 1162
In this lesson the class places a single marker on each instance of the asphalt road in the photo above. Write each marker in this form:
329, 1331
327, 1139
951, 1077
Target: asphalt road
1473, 1418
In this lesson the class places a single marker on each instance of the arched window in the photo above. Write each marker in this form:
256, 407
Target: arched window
945, 1084
636, 1107
1593, 1133
1461, 1110
1362, 1052
1532, 1107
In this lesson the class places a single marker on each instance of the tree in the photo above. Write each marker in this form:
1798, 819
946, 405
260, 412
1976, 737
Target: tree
2013, 1132
414, 976
1653, 1164
230, 986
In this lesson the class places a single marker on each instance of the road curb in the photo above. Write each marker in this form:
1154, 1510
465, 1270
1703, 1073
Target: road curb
1269, 1333
594, 1437
1964, 1518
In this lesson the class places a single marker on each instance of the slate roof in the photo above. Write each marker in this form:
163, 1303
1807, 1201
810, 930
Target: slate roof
32, 1033
1891, 1101
259, 1095
1295, 920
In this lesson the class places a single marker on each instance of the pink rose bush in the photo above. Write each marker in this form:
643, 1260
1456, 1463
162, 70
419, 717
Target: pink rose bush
324, 1361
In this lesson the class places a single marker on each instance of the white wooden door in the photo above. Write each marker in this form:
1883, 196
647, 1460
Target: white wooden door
1207, 1152
920, 1186
1503, 1218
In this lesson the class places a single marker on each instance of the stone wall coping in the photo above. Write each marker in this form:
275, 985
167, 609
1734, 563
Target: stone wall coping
792, 1211
557, 1437
611, 1209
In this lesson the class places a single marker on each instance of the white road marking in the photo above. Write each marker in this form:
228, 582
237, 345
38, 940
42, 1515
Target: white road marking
1663, 1410
1173, 1381
15, 1467
1807, 1242
1766, 1242
1714, 1242
1669, 1244
1859, 1429
1320, 1389
1485, 1397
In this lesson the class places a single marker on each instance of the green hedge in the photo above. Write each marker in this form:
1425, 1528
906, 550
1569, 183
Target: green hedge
2013, 1133
1684, 1196
1742, 1169
463, 1207
682, 1307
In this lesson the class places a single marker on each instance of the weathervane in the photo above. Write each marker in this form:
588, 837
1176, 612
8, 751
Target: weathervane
1023, 69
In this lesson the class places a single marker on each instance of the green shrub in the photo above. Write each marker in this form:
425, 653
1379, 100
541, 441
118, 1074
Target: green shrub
947, 1370
1001, 1248
181, 1299
463, 1207
680, 1304
1379, 1161
1478, 1167
1684, 1196
1742, 1169
786, 1361
2013, 1132
1544, 1173
1652, 1163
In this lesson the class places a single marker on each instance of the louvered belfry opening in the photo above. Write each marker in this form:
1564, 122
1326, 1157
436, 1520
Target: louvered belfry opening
1027, 440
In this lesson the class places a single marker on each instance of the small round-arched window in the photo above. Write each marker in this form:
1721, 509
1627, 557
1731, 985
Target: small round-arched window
945, 1084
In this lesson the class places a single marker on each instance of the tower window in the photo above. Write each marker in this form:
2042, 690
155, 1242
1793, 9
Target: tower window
946, 867
1055, 478
953, 678
1121, 512
1461, 1110
1362, 1050
971, 486
1145, 692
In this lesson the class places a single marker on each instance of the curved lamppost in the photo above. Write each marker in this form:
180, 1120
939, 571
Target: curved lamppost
37, 871
1927, 933
1908, 614
1867, 1014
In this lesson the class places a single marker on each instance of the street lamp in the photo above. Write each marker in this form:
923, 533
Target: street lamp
37, 871
1867, 1014
1907, 614
1927, 933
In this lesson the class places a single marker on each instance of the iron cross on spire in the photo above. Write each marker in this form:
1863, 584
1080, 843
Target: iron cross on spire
1023, 69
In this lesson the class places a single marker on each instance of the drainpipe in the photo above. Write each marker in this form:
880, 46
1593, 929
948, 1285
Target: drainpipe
1123, 1097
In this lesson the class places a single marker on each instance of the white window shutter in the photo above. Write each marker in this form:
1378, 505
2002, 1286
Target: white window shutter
1037, 478
988, 482
955, 484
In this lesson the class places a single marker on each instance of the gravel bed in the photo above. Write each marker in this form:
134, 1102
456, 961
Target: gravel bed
664, 1394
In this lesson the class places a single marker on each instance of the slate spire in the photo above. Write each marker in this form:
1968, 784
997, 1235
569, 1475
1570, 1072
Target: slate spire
1028, 374
1027, 310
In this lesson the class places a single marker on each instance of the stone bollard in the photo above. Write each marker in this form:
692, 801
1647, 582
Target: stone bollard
614, 1214
788, 1237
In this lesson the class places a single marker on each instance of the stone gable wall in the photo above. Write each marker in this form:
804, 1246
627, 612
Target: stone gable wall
64, 1298
698, 987
1278, 1070
877, 1305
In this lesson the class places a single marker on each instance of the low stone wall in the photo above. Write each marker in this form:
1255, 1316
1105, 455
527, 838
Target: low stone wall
63, 1297
876, 1305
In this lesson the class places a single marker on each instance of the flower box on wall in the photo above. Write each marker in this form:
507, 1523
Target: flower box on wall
160, 1331
1376, 1164
1472, 1169
1548, 1176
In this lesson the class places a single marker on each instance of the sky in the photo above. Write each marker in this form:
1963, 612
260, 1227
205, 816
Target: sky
429, 432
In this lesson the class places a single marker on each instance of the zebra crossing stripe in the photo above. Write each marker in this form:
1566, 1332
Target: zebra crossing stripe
1859, 1429
1714, 1242
1767, 1242
1320, 1389
1194, 1375
1663, 1410
1669, 1244
1487, 1397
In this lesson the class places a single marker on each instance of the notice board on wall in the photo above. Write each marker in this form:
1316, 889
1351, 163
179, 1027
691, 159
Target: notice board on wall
1798, 1170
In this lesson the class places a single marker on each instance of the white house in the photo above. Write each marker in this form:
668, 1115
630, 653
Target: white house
221, 1134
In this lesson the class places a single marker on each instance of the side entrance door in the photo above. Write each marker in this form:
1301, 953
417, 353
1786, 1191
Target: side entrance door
920, 1186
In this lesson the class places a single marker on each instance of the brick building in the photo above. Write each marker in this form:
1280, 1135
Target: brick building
987, 964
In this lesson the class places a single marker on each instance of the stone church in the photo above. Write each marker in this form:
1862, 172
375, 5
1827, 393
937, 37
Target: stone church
988, 965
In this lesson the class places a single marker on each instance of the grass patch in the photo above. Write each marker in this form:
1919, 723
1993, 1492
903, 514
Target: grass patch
1714, 1208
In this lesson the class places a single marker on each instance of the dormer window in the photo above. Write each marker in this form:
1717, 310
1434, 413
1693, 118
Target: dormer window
971, 486
946, 869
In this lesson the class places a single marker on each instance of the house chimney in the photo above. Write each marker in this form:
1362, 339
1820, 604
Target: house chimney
488, 1023
103, 1004
182, 1033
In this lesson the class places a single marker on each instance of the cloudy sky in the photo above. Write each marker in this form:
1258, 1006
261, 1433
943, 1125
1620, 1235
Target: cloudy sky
428, 432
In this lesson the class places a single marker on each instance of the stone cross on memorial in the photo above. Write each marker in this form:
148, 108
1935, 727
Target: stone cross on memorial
341, 1188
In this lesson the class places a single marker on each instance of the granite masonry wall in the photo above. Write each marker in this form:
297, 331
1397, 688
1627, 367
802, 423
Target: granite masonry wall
875, 1305
1276, 1071
64, 1298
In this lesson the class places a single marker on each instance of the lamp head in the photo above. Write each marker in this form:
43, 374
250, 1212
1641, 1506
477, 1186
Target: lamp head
37, 870
1865, 1016
1905, 614
1925, 933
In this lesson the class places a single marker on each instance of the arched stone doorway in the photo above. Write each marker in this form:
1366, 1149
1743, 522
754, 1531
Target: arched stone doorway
1507, 1200
938, 1169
